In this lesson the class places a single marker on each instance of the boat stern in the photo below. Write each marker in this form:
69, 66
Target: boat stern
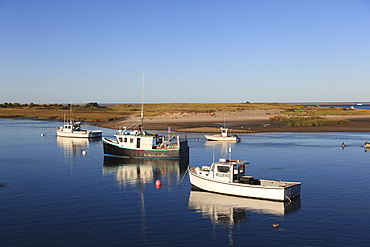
292, 191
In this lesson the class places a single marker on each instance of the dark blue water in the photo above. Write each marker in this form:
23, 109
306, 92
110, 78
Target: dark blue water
55, 196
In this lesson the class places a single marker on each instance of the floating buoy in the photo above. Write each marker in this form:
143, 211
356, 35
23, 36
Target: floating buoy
275, 225
84, 152
158, 184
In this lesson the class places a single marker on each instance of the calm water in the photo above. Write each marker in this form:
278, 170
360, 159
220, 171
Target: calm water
55, 196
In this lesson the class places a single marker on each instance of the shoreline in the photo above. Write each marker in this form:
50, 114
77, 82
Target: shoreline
255, 122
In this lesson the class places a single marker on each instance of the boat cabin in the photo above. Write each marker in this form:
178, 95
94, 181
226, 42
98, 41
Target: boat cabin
71, 127
226, 170
137, 139
223, 132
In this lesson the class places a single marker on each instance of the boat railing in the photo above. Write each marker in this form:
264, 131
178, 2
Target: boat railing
276, 183
166, 145
111, 140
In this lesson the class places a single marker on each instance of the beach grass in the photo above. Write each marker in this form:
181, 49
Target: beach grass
299, 115
308, 121
88, 116
324, 111
158, 109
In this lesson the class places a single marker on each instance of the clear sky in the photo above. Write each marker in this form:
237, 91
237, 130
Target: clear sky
191, 50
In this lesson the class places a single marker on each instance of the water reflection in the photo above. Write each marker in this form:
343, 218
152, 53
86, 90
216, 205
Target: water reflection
232, 210
74, 146
131, 172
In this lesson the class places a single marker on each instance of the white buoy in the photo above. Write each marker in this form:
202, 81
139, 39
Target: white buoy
84, 152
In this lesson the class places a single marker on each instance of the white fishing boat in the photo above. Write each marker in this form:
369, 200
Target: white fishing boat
224, 136
367, 145
228, 177
74, 130
136, 143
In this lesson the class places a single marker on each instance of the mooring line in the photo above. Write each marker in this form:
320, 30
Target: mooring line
187, 170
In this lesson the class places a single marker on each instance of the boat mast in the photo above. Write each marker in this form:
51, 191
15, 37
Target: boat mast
142, 103
70, 111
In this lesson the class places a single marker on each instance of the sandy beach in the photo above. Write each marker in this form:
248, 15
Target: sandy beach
246, 121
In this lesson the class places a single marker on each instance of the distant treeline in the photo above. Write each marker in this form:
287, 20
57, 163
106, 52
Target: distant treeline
88, 106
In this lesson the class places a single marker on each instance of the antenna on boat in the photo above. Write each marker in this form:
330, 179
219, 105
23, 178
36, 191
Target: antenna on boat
142, 101
70, 111
213, 154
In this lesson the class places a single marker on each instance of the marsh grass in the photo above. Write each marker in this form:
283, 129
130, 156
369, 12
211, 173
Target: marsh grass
324, 111
121, 111
308, 121
157, 109
88, 116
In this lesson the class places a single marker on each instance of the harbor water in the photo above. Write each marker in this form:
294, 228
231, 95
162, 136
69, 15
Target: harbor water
52, 194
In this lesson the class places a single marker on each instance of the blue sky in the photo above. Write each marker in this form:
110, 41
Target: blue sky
192, 51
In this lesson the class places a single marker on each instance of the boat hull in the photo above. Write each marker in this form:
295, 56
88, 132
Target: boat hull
80, 134
245, 190
220, 138
114, 149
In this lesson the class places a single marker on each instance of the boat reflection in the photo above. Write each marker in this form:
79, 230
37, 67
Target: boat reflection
74, 146
220, 145
129, 171
223, 147
232, 210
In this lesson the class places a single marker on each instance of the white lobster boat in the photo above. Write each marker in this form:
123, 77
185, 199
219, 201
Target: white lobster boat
224, 136
228, 177
74, 130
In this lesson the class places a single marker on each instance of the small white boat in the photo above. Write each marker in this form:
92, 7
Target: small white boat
224, 136
228, 177
367, 145
73, 129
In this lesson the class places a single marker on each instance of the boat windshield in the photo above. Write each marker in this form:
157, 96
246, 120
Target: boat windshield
224, 169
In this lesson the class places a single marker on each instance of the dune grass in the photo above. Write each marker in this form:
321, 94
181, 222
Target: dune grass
298, 114
308, 121
324, 111
158, 109
88, 116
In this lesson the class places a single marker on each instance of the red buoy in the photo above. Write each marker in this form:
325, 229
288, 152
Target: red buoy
158, 184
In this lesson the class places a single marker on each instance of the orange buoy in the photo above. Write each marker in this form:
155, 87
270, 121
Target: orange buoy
158, 184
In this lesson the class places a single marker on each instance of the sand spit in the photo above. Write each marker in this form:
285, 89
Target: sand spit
245, 121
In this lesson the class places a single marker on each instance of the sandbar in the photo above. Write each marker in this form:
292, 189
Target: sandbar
245, 121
